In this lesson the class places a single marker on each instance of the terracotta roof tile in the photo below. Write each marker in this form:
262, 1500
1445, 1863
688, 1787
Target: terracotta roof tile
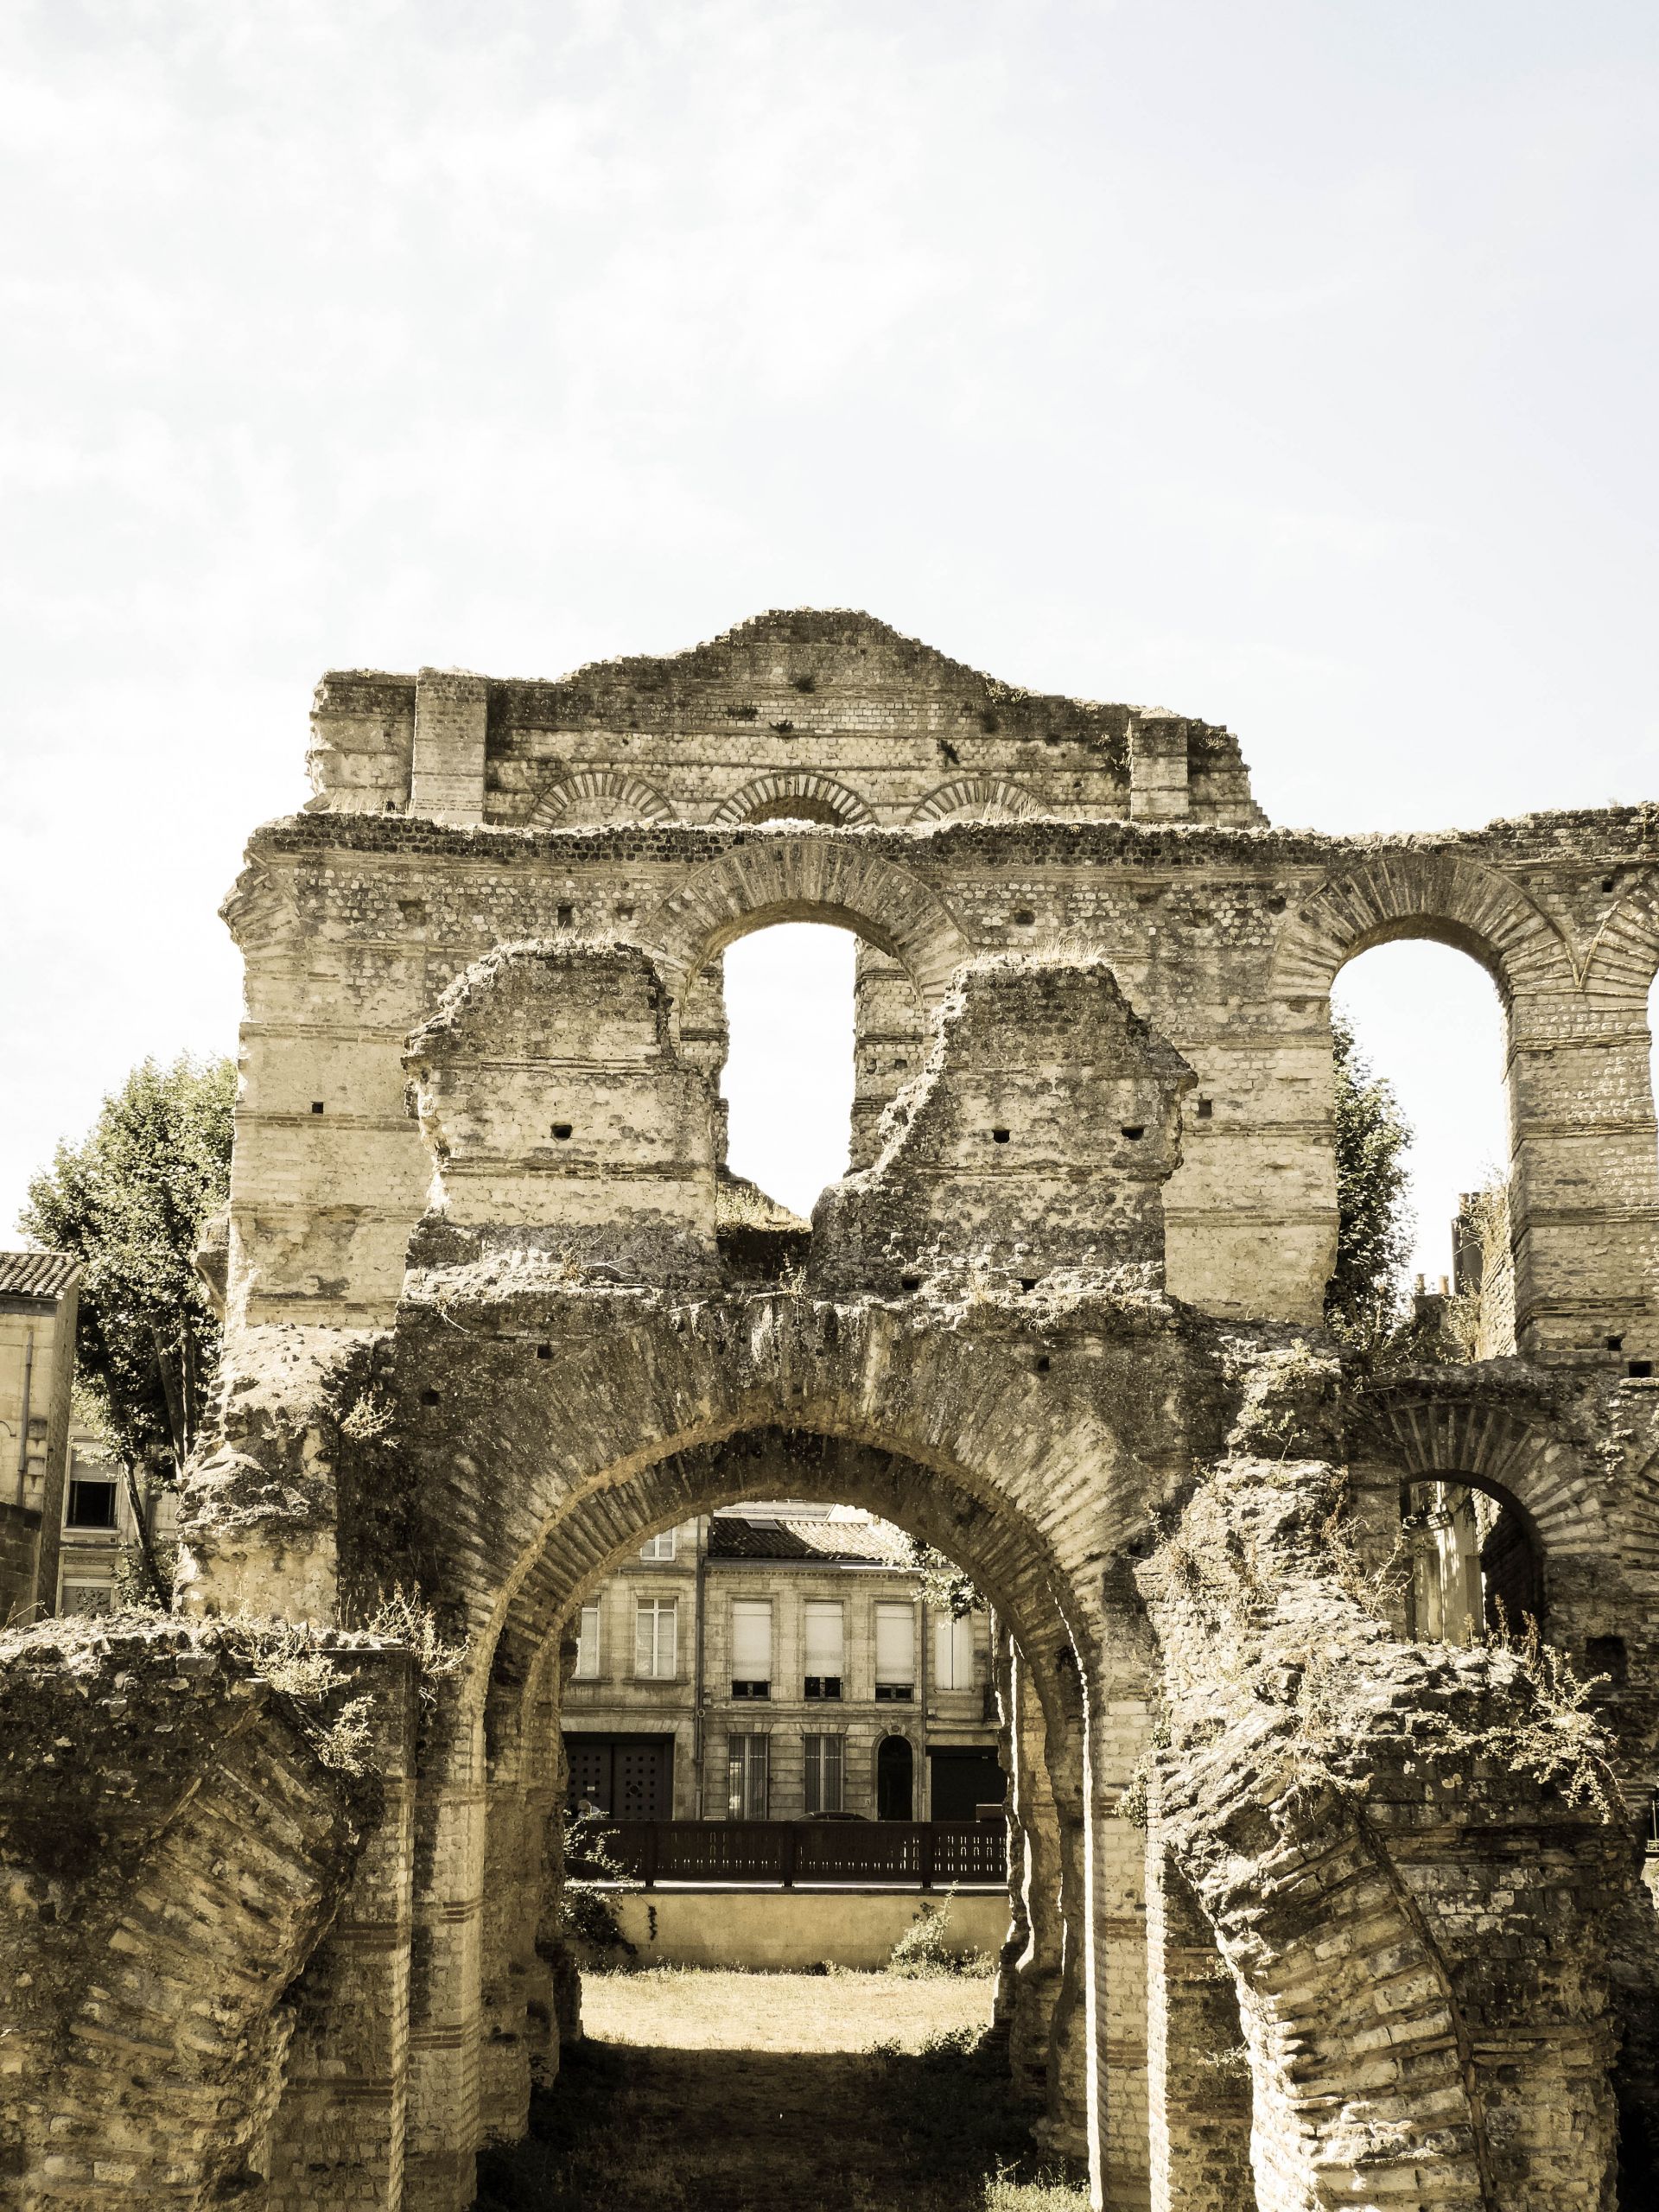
37, 1274
863, 1543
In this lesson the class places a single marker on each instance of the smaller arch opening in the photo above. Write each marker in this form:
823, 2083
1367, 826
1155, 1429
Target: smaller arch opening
817, 811
1474, 1564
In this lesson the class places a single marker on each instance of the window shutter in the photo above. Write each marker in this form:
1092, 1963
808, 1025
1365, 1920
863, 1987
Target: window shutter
953, 1648
752, 1640
895, 1642
644, 1639
587, 1642
825, 1636
830, 1783
668, 1636
814, 1774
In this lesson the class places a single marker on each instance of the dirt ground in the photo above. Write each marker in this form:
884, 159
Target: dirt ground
711, 2092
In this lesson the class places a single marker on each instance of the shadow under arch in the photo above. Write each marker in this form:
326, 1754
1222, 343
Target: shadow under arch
1467, 1578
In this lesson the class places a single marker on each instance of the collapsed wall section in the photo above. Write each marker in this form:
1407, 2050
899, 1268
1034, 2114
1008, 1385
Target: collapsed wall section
175, 1845
1412, 1858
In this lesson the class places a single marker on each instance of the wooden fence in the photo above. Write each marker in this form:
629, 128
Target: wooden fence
925, 1853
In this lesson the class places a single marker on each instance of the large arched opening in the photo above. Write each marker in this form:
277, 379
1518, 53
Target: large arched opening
750, 1731
1422, 1044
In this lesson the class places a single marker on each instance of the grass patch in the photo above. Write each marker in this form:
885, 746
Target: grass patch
710, 2092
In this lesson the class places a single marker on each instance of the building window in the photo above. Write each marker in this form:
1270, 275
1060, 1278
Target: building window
953, 1653
752, 1647
895, 1651
824, 1768
587, 1644
746, 1772
92, 1505
656, 1639
660, 1546
825, 1647
87, 1598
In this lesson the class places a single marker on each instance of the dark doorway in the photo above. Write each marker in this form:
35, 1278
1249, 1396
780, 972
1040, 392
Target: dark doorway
964, 1780
894, 1780
629, 1777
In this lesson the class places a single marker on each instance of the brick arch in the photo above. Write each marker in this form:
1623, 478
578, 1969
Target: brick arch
599, 1531
974, 798
994, 1543
596, 795
1442, 896
1493, 1448
779, 877
511, 1441
793, 794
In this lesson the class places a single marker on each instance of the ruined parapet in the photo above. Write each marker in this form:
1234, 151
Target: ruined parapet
176, 1843
845, 720
1039, 1137
560, 1118
1424, 2008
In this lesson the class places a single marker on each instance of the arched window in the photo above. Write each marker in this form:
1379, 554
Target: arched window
1475, 1566
788, 1080
1425, 1021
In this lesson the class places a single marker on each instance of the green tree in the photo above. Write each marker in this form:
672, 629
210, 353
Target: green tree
129, 1200
1363, 1298
942, 1583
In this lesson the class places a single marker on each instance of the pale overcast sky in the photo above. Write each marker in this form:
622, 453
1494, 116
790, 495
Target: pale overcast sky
1290, 365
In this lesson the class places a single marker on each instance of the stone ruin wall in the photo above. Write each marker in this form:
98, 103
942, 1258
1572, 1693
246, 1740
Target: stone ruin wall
1303, 1912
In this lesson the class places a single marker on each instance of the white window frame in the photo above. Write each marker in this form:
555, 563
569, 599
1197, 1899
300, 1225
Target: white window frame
825, 1773
955, 1664
814, 1667
659, 1548
753, 1610
587, 1642
748, 1776
887, 1675
660, 1644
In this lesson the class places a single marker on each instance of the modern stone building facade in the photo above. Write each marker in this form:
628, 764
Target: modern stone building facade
40, 1297
1306, 1907
782, 1662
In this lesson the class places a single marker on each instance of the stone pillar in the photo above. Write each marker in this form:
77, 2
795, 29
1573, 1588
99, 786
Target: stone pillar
451, 715
1584, 1195
516, 1989
1037, 1973
344, 2104
444, 1975
1199, 2075
1119, 1733
705, 1038
890, 1040
1158, 767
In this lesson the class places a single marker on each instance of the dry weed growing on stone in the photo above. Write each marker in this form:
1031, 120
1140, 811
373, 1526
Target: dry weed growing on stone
402, 1618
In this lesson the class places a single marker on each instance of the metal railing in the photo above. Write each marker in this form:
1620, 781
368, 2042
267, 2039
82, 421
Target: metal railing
924, 1853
